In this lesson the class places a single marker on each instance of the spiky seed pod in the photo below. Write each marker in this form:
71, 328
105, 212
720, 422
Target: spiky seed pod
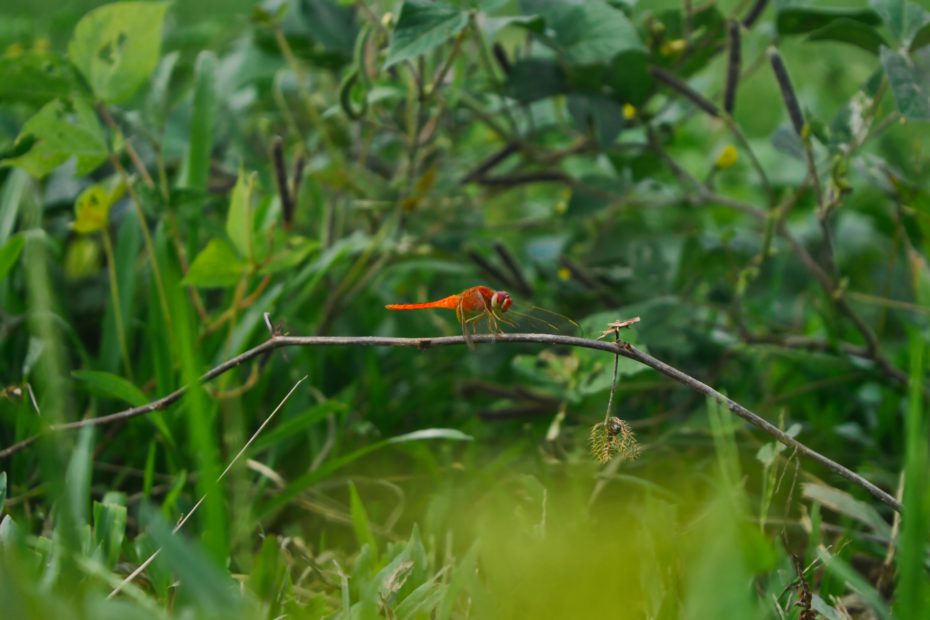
787, 91
734, 64
684, 90
613, 438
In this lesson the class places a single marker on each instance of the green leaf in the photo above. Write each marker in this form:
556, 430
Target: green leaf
331, 24
909, 77
904, 19
116, 47
209, 585
61, 131
597, 116
107, 385
2, 488
360, 523
593, 31
852, 32
297, 252
800, 20
630, 79
217, 266
202, 123
844, 503
34, 78
423, 26
9, 254
854, 581
293, 427
110, 527
532, 79
239, 216
78, 476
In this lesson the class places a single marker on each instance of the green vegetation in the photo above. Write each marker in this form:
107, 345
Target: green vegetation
180, 182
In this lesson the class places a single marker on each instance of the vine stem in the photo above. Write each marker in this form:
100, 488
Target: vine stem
617, 348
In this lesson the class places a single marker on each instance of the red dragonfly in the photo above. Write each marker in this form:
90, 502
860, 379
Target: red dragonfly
480, 302
471, 306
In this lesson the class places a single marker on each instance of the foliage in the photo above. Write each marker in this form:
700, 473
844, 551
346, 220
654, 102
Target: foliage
752, 185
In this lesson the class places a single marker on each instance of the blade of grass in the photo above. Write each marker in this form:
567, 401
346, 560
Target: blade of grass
912, 594
187, 516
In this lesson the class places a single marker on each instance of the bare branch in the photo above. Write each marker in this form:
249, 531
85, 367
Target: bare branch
621, 348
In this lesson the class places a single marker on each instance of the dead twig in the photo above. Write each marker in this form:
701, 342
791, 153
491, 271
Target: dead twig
622, 348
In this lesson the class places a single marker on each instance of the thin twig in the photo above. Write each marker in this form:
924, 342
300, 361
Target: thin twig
624, 349
191, 512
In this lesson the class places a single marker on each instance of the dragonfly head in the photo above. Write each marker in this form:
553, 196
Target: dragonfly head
501, 300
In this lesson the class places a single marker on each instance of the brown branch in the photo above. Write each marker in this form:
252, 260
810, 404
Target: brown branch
621, 348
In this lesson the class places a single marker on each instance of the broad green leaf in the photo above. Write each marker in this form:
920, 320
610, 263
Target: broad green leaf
116, 47
331, 24
239, 217
597, 116
35, 78
629, 77
909, 77
9, 254
586, 32
595, 31
423, 26
532, 79
92, 208
903, 18
800, 20
217, 266
107, 385
62, 131
852, 32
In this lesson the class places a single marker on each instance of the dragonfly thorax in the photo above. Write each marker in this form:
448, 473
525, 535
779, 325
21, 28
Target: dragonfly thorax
501, 300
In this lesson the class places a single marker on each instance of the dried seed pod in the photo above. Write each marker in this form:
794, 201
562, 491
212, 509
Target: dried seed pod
754, 13
787, 91
734, 65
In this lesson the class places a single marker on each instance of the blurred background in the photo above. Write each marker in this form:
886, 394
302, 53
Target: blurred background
171, 172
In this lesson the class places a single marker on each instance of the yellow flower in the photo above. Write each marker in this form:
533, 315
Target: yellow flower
673, 48
629, 111
565, 274
727, 157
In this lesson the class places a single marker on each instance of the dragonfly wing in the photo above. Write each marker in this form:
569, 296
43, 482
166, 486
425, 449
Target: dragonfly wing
460, 315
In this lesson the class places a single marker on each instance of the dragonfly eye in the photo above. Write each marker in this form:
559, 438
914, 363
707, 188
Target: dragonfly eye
501, 300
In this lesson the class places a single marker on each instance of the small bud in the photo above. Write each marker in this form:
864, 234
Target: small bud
565, 274
727, 157
629, 111
674, 48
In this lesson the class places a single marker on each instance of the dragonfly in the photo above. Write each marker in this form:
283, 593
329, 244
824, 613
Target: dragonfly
472, 306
